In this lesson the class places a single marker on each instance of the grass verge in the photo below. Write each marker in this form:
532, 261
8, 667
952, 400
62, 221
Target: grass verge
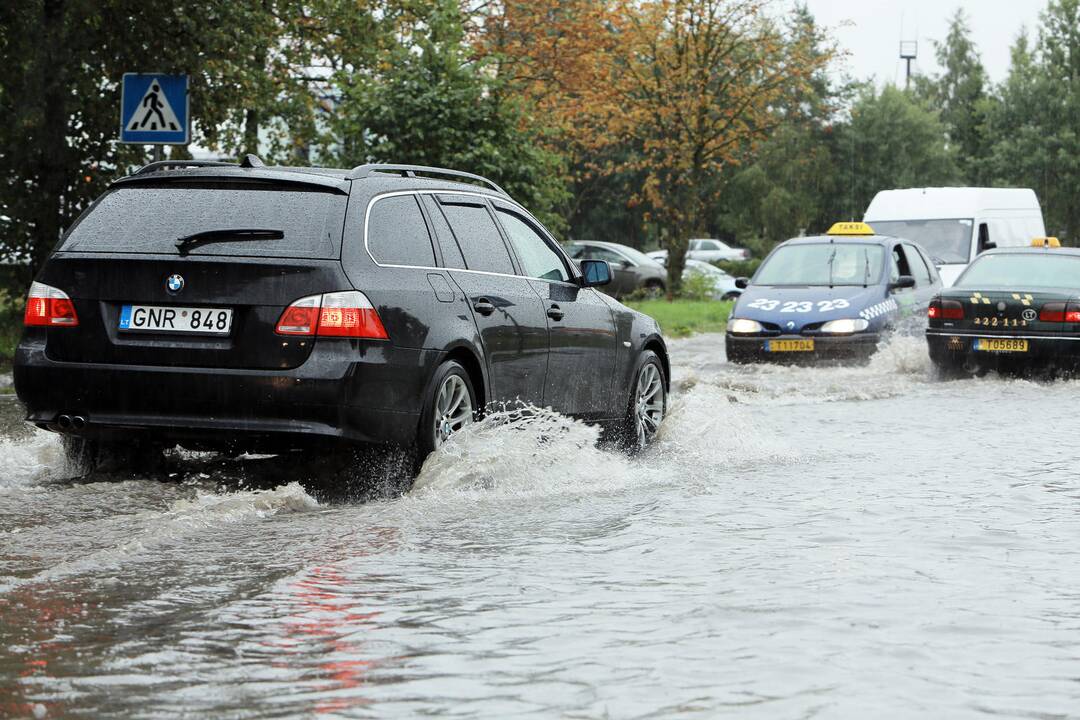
682, 318
10, 329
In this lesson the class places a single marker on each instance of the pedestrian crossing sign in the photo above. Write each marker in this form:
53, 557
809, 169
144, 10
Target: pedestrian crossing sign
154, 109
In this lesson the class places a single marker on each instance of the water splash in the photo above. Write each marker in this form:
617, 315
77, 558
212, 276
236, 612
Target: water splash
520, 451
36, 459
153, 529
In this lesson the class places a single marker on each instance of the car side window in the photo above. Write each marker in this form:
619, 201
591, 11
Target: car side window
710, 245
476, 234
591, 252
397, 233
899, 265
918, 265
537, 258
451, 253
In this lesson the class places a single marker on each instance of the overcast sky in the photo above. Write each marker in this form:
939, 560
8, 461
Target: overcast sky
874, 29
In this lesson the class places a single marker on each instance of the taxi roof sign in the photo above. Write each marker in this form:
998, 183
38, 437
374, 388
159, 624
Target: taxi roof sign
1047, 242
851, 228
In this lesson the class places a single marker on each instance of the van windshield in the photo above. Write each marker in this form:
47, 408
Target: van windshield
150, 219
947, 241
827, 264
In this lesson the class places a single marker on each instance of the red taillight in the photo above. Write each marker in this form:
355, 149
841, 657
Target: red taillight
1060, 312
346, 314
350, 314
1052, 312
945, 310
49, 307
300, 318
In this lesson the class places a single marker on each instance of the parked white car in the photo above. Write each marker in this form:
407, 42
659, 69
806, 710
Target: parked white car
707, 250
723, 283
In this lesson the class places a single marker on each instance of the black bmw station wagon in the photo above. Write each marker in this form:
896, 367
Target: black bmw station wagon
229, 307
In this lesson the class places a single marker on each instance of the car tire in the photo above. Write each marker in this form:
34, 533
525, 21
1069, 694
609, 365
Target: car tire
446, 410
648, 404
654, 288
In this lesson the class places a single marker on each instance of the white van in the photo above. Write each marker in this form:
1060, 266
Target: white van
956, 224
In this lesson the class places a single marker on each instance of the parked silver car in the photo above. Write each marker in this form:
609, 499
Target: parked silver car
708, 250
631, 269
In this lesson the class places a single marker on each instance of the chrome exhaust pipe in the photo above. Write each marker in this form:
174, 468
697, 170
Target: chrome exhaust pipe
64, 422
78, 422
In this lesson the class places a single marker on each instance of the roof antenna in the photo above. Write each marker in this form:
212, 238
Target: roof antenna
251, 161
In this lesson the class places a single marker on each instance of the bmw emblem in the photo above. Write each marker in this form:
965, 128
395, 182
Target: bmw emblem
174, 284
1029, 314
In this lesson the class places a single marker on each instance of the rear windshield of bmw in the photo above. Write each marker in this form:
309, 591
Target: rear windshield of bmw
824, 264
152, 218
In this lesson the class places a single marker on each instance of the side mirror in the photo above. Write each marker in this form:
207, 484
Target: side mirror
988, 245
902, 282
595, 273
742, 283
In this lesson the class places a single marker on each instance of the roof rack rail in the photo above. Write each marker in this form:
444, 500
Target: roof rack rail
166, 164
362, 171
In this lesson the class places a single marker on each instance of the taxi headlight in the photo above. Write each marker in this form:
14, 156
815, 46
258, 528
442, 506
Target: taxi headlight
847, 325
742, 326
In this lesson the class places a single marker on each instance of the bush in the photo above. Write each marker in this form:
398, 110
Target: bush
11, 310
739, 268
698, 286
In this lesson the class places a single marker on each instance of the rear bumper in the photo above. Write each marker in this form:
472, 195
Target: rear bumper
957, 349
346, 391
842, 348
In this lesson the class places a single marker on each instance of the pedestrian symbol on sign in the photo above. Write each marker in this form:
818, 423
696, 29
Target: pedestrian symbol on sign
159, 114
154, 109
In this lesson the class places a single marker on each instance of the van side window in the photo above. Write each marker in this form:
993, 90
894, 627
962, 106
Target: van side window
537, 258
397, 233
476, 234
918, 266
451, 253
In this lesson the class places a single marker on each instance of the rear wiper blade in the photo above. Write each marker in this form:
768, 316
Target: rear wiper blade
189, 241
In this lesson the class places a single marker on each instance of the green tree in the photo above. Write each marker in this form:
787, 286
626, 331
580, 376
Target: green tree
958, 94
891, 141
429, 103
789, 184
1035, 124
60, 97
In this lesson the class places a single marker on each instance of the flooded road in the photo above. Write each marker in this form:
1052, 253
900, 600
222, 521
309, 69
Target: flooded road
834, 542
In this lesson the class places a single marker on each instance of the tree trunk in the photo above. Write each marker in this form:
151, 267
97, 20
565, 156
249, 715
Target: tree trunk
53, 151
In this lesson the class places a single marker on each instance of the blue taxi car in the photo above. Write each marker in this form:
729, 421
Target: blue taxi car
830, 297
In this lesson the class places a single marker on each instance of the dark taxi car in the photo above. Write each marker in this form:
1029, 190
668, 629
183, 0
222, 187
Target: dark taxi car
222, 306
830, 297
1011, 309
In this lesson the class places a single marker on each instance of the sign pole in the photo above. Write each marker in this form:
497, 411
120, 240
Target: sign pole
158, 153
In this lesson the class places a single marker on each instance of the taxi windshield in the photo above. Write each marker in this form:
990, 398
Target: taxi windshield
826, 264
947, 241
1022, 270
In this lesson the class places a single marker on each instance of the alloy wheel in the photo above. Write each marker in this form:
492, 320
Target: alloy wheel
648, 404
453, 408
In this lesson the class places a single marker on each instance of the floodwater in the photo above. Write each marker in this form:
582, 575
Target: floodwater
831, 542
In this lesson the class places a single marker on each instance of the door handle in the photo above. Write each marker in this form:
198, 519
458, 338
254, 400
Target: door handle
483, 306
555, 312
